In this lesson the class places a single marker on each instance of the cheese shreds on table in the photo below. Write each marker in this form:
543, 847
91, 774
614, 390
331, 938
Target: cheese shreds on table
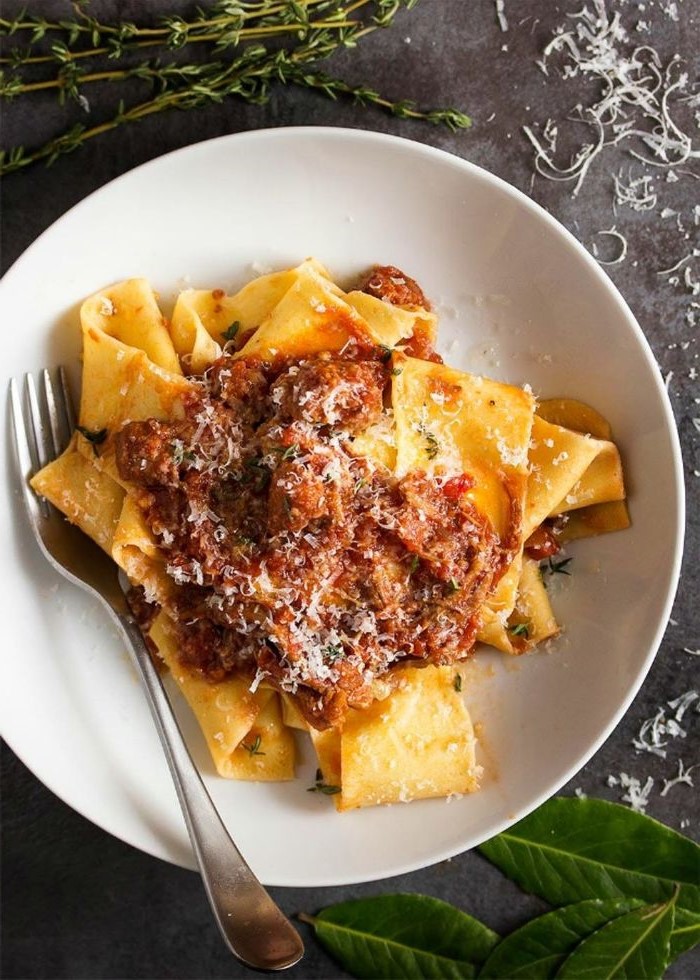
320, 519
636, 794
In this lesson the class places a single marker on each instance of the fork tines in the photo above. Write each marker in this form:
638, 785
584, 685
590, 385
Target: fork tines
43, 422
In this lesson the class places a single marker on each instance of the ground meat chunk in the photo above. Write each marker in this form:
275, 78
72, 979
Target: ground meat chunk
421, 344
393, 286
330, 391
144, 612
306, 490
439, 529
146, 453
242, 385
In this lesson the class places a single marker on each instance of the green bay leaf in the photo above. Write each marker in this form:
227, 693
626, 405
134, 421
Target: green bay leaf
686, 932
404, 936
539, 948
570, 850
635, 946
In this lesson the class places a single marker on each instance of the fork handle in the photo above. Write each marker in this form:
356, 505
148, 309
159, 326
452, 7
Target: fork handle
253, 927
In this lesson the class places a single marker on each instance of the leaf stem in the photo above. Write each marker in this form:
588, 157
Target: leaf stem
309, 919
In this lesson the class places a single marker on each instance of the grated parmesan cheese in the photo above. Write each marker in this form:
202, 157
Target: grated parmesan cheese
633, 106
682, 777
637, 796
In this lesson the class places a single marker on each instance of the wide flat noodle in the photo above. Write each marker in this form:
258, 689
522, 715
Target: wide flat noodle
197, 346
267, 752
89, 498
135, 550
327, 746
462, 423
120, 383
602, 482
417, 743
291, 715
309, 318
377, 443
558, 460
226, 711
389, 324
205, 319
572, 414
533, 620
129, 312
597, 519
498, 608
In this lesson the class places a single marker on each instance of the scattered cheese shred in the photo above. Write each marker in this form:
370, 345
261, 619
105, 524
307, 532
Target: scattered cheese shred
637, 796
634, 101
614, 233
501, 15
682, 777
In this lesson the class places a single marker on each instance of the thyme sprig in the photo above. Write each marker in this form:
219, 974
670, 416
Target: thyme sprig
253, 45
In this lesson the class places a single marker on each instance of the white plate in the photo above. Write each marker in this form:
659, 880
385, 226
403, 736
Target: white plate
521, 300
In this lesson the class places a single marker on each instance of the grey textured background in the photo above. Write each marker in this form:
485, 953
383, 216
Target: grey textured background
78, 903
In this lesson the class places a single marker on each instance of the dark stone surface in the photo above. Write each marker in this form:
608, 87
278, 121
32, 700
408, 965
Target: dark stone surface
78, 903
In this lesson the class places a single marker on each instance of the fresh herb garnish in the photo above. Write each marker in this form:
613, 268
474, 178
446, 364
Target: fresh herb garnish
432, 446
415, 562
386, 353
254, 747
287, 452
552, 567
236, 61
231, 331
452, 586
457, 683
334, 651
359, 484
396, 372
95, 437
520, 629
321, 787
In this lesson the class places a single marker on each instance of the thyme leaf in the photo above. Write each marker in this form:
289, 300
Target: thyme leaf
552, 567
520, 629
324, 788
230, 332
321, 787
432, 445
254, 747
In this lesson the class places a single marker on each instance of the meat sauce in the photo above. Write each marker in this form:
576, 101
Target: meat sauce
298, 562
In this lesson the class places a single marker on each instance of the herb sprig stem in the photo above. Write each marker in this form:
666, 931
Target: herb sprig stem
245, 34
247, 11
243, 27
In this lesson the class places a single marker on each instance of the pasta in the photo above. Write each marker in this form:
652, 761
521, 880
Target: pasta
320, 519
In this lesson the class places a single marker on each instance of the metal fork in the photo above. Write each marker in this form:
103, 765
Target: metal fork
253, 927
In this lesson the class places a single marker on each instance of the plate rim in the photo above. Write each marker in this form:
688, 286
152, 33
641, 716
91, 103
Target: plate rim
411, 146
